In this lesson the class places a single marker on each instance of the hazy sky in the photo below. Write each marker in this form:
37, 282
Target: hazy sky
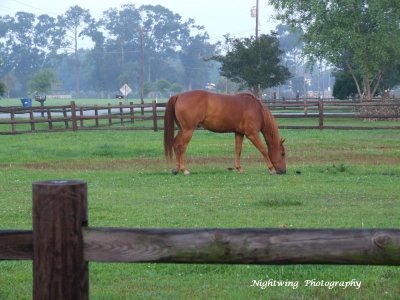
218, 16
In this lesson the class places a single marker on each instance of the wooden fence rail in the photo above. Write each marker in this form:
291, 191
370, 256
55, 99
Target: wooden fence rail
123, 116
61, 244
73, 117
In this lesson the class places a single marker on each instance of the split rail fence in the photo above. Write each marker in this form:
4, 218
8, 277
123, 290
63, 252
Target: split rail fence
61, 244
73, 117
14, 120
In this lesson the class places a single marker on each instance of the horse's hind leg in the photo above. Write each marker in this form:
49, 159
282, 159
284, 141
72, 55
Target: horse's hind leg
177, 150
180, 145
238, 150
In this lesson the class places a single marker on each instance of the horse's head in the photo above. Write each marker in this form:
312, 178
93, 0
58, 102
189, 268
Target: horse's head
277, 156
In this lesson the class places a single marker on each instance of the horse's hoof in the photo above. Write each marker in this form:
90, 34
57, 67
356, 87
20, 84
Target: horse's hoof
175, 171
272, 172
186, 173
240, 170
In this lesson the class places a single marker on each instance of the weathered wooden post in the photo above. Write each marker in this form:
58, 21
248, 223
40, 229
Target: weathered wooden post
154, 107
32, 120
81, 118
65, 115
132, 111
305, 107
59, 268
49, 120
121, 113
73, 116
96, 115
109, 114
321, 113
12, 117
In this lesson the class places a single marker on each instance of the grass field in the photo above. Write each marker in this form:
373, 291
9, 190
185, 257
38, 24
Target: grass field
349, 179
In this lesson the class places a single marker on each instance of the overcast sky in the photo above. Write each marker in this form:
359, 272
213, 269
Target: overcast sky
218, 16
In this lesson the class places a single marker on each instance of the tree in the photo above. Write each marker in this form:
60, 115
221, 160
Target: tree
3, 89
175, 88
291, 42
76, 21
193, 55
345, 86
365, 33
173, 48
255, 63
162, 85
40, 83
3, 86
20, 53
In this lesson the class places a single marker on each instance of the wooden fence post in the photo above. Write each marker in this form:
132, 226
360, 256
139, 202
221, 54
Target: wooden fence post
65, 117
96, 115
121, 113
132, 110
32, 120
305, 107
12, 116
81, 117
154, 107
109, 114
49, 120
59, 268
321, 113
73, 116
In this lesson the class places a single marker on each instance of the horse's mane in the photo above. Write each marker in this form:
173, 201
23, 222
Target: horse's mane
269, 120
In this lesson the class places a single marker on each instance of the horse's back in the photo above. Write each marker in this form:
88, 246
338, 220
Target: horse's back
218, 112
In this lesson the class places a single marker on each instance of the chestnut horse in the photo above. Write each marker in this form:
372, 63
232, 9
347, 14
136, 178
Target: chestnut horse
242, 114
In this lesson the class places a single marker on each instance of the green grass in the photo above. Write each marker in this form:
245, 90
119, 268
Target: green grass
348, 179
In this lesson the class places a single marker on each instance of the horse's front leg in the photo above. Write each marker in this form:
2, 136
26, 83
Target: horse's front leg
255, 139
238, 150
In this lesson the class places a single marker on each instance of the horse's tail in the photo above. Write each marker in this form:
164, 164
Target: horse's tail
169, 126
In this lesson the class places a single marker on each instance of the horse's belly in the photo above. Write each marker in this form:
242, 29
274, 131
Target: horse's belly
220, 125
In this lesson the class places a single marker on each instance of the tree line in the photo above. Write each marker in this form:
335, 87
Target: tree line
360, 38
148, 46
153, 49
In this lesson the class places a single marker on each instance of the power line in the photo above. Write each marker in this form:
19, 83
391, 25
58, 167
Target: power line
34, 7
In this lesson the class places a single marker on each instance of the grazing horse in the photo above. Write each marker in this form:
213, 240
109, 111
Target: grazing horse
243, 114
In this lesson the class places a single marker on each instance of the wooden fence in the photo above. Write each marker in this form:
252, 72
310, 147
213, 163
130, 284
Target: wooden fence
61, 244
14, 120
323, 109
73, 117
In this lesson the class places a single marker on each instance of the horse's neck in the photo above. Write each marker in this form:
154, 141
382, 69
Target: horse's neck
270, 130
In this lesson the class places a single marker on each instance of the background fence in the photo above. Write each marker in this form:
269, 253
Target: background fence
61, 244
15, 120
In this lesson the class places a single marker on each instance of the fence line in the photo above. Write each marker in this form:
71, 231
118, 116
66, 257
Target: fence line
73, 117
62, 207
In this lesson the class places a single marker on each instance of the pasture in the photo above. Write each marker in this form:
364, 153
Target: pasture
336, 179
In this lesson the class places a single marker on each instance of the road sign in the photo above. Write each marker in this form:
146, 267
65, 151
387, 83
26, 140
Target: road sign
125, 90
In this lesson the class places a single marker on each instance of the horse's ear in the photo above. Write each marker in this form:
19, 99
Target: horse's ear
282, 141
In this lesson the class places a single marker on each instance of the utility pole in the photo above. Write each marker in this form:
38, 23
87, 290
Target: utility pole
141, 34
141, 68
257, 19
255, 14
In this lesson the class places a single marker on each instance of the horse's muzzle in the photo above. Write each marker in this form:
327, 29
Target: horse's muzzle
280, 172
277, 171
